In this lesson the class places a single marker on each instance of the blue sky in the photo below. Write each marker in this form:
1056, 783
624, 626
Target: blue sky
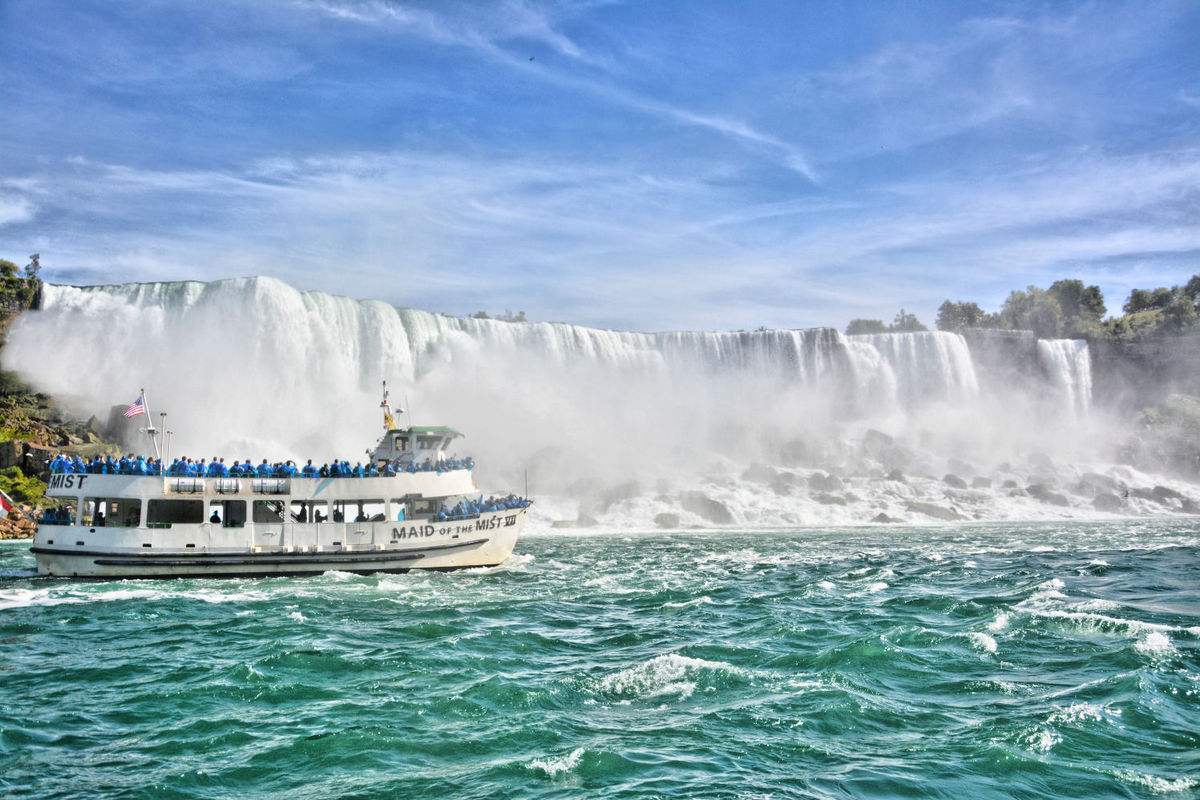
638, 165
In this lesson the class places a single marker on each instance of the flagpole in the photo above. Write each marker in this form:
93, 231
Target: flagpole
151, 431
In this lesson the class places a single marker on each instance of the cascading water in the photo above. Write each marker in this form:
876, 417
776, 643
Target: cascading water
1068, 365
253, 368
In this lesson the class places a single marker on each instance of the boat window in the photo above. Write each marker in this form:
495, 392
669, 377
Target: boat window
423, 507
165, 513
112, 512
360, 511
402, 444
227, 513
400, 510
428, 442
309, 511
270, 511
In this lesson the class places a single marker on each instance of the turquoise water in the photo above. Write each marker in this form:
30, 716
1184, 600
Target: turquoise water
972, 662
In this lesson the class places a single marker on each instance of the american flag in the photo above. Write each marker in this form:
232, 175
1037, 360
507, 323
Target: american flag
136, 407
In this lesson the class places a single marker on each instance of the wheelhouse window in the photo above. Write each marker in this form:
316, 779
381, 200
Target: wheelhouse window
111, 512
165, 513
227, 513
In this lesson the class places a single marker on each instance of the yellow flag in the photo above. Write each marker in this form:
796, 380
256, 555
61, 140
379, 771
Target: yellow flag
389, 422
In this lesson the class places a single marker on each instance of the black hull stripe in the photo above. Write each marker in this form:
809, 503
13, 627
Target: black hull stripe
211, 559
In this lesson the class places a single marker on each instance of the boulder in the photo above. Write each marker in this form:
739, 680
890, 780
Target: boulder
979, 482
10, 455
1165, 494
1009, 484
781, 485
821, 482
935, 511
666, 520
957, 465
1189, 506
950, 479
760, 473
884, 518
1102, 482
851, 497
895, 475
615, 494
827, 499
1106, 501
707, 508
1045, 494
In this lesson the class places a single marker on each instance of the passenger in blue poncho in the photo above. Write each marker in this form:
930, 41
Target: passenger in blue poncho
309, 471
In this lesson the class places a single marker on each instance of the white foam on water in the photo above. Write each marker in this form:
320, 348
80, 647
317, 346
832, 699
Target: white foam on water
556, 766
76, 594
1155, 643
826, 585
982, 641
338, 575
296, 616
999, 623
1042, 740
702, 600
1156, 783
669, 674
1082, 712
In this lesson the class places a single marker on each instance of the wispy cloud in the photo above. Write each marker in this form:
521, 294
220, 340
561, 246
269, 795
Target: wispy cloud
489, 34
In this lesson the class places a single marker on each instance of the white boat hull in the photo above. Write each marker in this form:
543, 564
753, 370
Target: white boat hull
286, 549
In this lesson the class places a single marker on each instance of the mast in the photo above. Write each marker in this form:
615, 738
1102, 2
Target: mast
151, 431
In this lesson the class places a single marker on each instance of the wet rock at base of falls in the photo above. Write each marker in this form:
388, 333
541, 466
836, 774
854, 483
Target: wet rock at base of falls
1105, 501
1189, 506
821, 482
950, 479
884, 518
704, 506
878, 446
1009, 484
935, 511
826, 499
851, 497
615, 494
958, 466
760, 473
666, 520
783, 484
1166, 494
1045, 494
896, 475
1101, 483
979, 482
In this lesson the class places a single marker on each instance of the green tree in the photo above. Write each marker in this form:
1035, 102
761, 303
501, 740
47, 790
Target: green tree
8, 269
906, 323
859, 326
1082, 306
1145, 300
956, 317
1033, 310
1192, 290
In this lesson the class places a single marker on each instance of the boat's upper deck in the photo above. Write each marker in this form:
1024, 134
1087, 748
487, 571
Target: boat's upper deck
445, 483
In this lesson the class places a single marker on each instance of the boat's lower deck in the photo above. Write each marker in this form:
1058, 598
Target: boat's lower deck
277, 549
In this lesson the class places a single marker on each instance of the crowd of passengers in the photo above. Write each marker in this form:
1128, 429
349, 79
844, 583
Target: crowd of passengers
473, 508
216, 468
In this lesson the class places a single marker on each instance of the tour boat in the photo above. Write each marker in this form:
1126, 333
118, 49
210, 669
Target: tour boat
429, 514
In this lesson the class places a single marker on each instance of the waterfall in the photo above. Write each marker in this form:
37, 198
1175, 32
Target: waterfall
928, 365
1068, 365
252, 367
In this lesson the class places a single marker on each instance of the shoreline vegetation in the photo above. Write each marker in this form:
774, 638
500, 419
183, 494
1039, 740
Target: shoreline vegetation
1066, 310
32, 425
